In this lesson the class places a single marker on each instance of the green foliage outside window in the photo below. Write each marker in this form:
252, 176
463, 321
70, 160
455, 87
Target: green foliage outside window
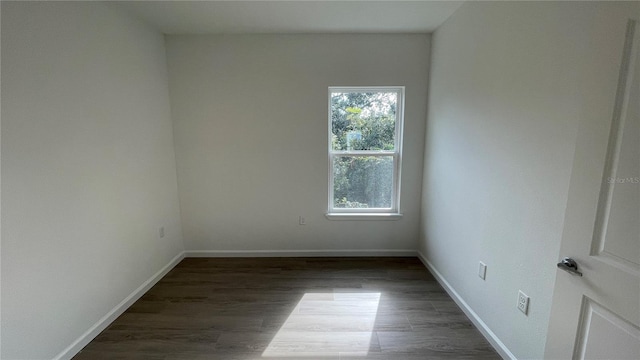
363, 122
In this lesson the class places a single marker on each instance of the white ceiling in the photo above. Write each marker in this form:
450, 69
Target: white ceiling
266, 16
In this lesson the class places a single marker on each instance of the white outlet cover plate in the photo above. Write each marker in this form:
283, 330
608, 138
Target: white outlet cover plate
523, 302
482, 270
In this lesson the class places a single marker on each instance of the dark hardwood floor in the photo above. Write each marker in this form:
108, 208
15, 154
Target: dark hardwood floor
293, 308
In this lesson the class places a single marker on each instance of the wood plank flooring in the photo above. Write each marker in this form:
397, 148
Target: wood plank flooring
294, 309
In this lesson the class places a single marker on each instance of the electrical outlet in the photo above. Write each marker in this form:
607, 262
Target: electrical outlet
161, 231
302, 220
523, 302
482, 270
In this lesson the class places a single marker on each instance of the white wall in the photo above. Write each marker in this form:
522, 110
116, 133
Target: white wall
250, 126
509, 83
0, 185
88, 170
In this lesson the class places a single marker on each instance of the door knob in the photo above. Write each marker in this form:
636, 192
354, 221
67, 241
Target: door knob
569, 265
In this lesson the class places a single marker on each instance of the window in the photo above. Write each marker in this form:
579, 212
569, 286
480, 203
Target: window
365, 150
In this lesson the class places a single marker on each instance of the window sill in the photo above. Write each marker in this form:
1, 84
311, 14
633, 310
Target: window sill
364, 216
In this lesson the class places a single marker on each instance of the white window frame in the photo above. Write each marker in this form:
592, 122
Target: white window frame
369, 213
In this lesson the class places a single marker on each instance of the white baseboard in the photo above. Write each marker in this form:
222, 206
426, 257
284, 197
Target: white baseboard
298, 253
493, 339
106, 320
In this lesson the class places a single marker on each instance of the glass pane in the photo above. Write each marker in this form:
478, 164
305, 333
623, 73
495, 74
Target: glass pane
363, 120
362, 181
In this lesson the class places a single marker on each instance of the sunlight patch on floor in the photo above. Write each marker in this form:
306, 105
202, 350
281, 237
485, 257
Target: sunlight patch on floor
327, 325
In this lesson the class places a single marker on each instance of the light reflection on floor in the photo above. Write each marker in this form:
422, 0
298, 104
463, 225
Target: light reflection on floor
327, 325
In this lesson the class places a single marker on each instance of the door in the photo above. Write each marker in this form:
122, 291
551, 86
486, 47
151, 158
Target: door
597, 315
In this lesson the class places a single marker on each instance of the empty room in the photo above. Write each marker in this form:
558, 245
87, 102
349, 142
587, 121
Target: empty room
319, 180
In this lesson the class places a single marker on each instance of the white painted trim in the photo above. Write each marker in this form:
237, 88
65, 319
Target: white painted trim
298, 253
363, 216
493, 339
106, 320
